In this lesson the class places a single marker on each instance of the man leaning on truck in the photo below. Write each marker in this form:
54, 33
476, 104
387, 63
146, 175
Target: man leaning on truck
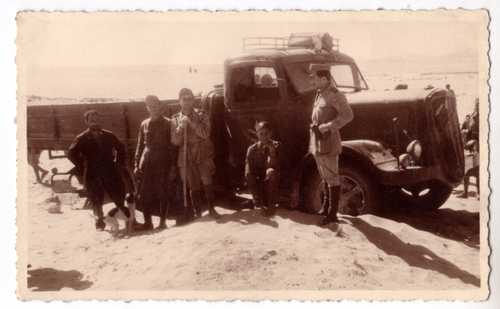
330, 113
93, 154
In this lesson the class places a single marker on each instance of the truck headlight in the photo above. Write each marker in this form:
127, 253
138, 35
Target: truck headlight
405, 161
414, 149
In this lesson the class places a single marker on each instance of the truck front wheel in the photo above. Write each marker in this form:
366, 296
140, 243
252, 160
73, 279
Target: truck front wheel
359, 194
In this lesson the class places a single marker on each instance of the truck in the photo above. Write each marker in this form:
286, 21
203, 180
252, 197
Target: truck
403, 144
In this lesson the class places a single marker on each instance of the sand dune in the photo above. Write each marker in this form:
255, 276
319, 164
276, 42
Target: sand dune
244, 250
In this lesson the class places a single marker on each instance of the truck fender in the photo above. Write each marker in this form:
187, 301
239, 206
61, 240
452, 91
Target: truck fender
367, 154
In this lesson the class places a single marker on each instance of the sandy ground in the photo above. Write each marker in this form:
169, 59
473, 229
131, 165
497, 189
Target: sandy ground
244, 250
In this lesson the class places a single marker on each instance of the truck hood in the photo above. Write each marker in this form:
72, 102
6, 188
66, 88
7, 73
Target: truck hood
390, 96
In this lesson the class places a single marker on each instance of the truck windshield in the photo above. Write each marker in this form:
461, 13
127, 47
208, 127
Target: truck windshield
346, 76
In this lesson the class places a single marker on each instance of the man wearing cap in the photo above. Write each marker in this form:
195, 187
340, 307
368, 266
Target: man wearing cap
93, 154
330, 113
195, 160
262, 166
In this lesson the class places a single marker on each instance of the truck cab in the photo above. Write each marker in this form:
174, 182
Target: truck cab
405, 142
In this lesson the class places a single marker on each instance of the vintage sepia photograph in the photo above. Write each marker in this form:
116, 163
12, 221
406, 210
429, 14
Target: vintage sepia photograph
253, 155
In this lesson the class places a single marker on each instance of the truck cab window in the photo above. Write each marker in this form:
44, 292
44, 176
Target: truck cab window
266, 84
342, 74
255, 86
346, 75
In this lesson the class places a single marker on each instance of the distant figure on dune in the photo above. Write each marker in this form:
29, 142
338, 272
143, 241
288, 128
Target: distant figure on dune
448, 88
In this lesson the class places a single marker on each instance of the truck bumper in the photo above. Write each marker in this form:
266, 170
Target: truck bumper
389, 174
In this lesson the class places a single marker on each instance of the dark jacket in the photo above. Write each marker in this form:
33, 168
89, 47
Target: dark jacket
96, 154
262, 157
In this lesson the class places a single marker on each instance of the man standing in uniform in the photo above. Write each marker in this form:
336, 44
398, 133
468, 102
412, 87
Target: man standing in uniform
196, 154
330, 113
93, 154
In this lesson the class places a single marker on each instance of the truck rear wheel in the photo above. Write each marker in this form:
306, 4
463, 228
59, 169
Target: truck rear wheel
359, 194
427, 197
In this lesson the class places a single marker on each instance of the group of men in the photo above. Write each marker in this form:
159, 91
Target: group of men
181, 144
470, 136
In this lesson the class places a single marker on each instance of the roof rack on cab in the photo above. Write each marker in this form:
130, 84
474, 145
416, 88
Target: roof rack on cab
310, 40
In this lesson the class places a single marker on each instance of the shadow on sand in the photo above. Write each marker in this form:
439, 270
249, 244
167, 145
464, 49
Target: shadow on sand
458, 225
50, 279
413, 255
246, 217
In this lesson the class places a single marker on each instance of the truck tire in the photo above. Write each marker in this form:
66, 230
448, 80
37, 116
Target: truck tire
427, 198
359, 193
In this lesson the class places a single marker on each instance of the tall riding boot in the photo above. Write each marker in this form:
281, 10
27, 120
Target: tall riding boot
209, 195
333, 201
325, 199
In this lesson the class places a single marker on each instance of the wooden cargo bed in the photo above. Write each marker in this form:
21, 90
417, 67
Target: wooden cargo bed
54, 127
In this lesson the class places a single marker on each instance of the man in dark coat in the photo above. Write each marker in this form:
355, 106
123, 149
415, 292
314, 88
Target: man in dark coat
154, 160
99, 155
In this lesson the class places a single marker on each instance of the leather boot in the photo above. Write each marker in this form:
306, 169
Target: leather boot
148, 222
98, 213
325, 200
99, 224
333, 201
209, 195
163, 222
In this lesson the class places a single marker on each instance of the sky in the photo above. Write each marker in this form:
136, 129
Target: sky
111, 39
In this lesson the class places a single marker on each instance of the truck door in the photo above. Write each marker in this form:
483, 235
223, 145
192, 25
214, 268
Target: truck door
254, 93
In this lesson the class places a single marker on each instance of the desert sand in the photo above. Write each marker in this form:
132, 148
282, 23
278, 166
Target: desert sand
398, 250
